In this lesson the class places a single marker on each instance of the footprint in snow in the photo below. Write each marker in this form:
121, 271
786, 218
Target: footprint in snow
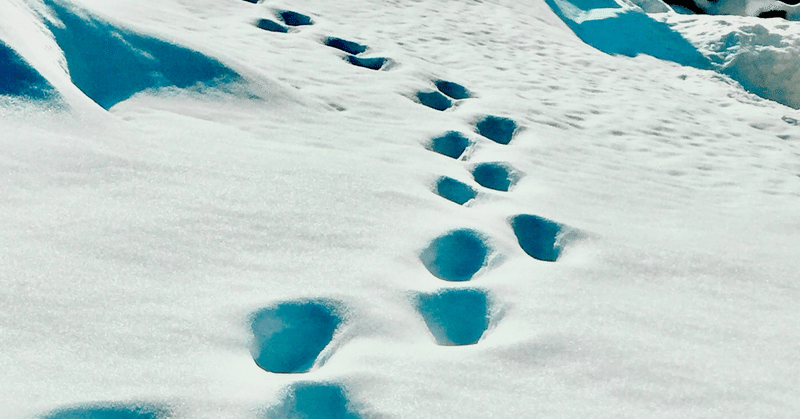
444, 97
353, 49
288, 17
295, 19
455, 317
498, 129
308, 400
289, 337
451, 144
110, 411
453, 190
271, 26
495, 175
456, 256
349, 47
540, 238
375, 63
434, 100
452, 89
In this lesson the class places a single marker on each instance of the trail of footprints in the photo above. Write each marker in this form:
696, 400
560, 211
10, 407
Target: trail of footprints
295, 337
352, 49
292, 337
460, 316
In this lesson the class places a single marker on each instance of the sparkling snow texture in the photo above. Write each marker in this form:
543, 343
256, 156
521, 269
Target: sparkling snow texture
460, 209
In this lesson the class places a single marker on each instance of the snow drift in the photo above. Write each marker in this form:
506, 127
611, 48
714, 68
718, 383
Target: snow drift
759, 56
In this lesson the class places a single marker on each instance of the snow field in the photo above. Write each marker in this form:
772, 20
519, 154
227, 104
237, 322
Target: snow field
146, 245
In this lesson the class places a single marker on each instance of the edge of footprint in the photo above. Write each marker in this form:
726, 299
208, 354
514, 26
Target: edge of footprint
287, 316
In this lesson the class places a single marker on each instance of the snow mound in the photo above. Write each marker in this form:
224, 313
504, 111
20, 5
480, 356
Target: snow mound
651, 6
753, 8
110, 64
762, 57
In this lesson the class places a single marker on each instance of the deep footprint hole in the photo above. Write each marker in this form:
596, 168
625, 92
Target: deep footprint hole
539, 237
110, 411
452, 144
289, 337
455, 191
495, 175
307, 400
271, 25
375, 63
455, 317
456, 256
434, 100
349, 47
453, 90
295, 19
498, 129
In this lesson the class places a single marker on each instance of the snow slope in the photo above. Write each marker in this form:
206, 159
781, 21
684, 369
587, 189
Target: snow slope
281, 231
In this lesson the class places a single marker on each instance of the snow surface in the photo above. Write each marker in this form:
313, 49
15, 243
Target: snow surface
756, 8
167, 228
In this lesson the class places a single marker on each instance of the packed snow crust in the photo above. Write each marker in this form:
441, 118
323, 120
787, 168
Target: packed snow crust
284, 229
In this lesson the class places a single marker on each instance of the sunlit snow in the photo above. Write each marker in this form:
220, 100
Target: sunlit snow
398, 209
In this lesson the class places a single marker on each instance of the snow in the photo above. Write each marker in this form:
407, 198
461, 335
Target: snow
169, 228
757, 8
617, 30
760, 54
757, 53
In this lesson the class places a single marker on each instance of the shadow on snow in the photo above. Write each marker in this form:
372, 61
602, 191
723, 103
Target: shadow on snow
111, 64
608, 27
